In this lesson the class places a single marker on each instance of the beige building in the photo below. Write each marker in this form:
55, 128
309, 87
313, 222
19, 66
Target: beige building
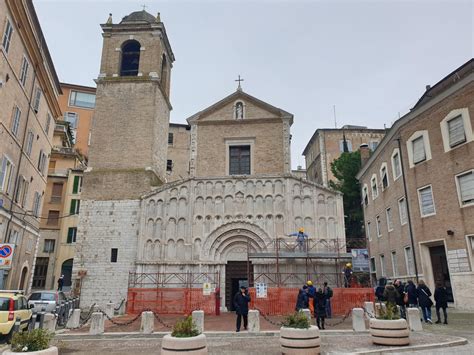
431, 150
29, 90
60, 211
326, 145
228, 197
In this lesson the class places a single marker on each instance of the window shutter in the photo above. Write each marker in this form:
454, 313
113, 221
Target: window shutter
72, 210
456, 131
426, 200
419, 153
71, 235
466, 185
75, 186
3, 166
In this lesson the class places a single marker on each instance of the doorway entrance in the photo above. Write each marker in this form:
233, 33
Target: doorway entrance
66, 270
236, 276
439, 264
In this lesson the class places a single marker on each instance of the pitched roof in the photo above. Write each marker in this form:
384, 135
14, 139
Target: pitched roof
139, 16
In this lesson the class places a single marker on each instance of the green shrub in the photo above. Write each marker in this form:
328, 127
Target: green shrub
185, 329
35, 340
389, 313
296, 320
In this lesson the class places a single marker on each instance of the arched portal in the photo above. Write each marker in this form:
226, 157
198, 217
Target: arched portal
66, 270
130, 58
24, 272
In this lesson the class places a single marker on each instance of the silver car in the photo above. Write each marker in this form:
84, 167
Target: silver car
46, 300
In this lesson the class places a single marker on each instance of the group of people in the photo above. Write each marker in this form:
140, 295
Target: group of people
411, 295
321, 301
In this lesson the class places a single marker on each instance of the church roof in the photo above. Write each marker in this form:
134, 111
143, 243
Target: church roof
139, 16
240, 94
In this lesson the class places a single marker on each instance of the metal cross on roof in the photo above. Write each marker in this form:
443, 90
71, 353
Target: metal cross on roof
144, 7
239, 80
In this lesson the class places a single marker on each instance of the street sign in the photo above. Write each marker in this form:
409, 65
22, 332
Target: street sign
360, 260
206, 289
6, 255
261, 289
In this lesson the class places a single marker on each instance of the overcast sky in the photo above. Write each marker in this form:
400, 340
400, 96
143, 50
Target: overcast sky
371, 59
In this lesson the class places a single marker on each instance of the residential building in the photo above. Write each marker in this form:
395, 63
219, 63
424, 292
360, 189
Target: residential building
427, 228
327, 144
29, 90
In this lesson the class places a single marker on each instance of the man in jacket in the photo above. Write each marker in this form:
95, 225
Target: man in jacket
410, 289
320, 308
241, 305
401, 295
302, 302
301, 237
328, 293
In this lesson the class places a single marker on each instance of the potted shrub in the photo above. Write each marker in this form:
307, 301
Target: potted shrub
388, 328
298, 336
32, 342
185, 338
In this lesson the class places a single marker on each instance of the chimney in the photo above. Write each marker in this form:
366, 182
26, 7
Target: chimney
364, 153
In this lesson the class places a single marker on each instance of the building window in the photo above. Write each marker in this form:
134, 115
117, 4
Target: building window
239, 160
372, 265
72, 118
410, 265
36, 204
388, 212
419, 153
394, 264
7, 36
82, 99
41, 271
77, 185
29, 143
113, 255
378, 226
130, 58
368, 231
402, 209
239, 110
53, 218
365, 195
169, 165
164, 71
384, 176
57, 192
48, 123
6, 175
382, 265
49, 245
425, 198
16, 115
465, 185
37, 99
19, 189
24, 71
42, 161
24, 193
375, 189
13, 236
396, 164
75, 204
456, 129
373, 145
71, 235
170, 138
418, 147
341, 145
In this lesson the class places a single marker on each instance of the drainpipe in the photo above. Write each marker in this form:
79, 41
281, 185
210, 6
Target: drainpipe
408, 208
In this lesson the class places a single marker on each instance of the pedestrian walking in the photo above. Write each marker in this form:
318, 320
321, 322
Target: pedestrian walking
60, 283
410, 290
441, 299
302, 302
329, 293
320, 308
401, 298
241, 305
301, 237
424, 300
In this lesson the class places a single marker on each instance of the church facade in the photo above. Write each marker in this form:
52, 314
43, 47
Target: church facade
234, 193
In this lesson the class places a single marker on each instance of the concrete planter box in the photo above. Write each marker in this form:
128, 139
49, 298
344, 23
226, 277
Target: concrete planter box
300, 341
194, 345
52, 350
389, 332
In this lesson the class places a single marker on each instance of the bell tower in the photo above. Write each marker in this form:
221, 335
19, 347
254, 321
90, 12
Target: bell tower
129, 136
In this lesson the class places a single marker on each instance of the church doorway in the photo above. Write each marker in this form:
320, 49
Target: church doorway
236, 275
439, 264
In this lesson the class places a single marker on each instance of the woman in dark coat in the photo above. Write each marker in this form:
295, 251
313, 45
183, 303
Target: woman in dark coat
410, 290
441, 299
302, 302
424, 294
320, 299
390, 294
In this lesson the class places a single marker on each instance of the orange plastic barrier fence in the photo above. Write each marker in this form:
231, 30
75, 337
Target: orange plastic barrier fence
170, 300
281, 301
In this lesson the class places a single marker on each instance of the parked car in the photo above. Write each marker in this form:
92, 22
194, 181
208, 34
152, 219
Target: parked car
47, 300
13, 304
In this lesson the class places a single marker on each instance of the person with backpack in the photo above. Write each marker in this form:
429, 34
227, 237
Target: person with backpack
401, 297
441, 299
424, 294
328, 293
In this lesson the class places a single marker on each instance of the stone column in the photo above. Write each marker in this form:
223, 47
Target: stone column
369, 309
74, 320
414, 320
254, 321
148, 323
198, 319
97, 323
358, 321
109, 309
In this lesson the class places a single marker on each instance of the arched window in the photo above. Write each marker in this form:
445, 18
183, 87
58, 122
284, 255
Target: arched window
130, 58
239, 110
164, 69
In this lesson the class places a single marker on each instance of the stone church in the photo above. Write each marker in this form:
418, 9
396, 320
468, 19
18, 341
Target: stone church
234, 193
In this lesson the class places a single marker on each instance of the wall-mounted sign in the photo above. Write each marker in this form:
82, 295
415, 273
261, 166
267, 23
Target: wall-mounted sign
6, 255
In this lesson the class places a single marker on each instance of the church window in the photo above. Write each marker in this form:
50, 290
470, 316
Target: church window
164, 68
130, 58
239, 110
113, 255
239, 160
170, 138
169, 165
